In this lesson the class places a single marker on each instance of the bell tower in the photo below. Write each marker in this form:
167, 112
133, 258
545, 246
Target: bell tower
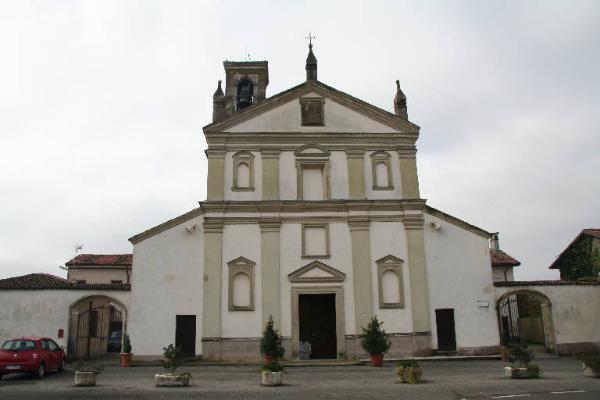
245, 84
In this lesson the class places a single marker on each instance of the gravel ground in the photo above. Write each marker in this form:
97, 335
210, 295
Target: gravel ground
453, 380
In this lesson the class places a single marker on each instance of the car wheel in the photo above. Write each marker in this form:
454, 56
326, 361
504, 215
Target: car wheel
41, 371
63, 364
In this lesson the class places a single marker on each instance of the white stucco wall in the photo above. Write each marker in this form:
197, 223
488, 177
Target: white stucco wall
389, 238
98, 275
291, 260
286, 118
501, 274
167, 282
338, 181
459, 275
44, 312
244, 241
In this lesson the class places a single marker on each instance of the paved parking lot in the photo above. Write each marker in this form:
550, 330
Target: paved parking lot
452, 380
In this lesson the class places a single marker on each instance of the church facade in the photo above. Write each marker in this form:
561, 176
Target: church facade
313, 217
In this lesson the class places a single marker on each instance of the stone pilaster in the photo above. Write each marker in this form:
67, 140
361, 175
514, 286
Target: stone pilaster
270, 174
356, 174
213, 262
215, 183
361, 271
408, 173
269, 270
419, 289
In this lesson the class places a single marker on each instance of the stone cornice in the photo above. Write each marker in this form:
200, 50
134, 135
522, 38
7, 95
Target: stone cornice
165, 225
268, 224
359, 223
213, 225
270, 153
215, 153
355, 154
414, 221
295, 206
333, 140
407, 153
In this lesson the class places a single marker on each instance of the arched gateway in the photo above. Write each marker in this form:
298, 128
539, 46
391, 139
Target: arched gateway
525, 315
96, 327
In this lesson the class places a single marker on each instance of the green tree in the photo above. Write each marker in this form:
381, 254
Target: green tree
270, 344
374, 339
580, 260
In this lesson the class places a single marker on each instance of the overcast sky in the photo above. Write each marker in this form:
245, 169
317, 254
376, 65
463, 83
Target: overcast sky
102, 106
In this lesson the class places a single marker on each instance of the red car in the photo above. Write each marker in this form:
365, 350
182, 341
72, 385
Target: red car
33, 355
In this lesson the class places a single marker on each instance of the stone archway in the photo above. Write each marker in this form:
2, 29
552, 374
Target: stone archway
96, 327
526, 315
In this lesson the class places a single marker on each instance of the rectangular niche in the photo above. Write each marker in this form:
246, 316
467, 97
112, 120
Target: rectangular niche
312, 111
315, 241
241, 284
390, 282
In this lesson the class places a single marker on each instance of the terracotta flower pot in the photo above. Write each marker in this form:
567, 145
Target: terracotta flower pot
126, 359
269, 359
376, 360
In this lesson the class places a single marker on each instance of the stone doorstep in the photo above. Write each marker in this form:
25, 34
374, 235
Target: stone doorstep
438, 358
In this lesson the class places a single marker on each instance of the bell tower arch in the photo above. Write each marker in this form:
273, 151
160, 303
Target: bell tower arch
245, 84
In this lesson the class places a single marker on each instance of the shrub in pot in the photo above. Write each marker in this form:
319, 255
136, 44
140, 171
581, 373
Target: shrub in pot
272, 374
270, 343
171, 362
374, 341
521, 366
126, 353
591, 365
85, 373
409, 371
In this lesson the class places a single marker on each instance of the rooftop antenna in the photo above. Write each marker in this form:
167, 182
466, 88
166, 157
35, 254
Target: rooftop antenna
78, 247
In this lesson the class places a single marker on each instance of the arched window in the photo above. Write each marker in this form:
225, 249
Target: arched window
245, 94
389, 274
382, 171
241, 290
241, 284
243, 175
243, 172
390, 287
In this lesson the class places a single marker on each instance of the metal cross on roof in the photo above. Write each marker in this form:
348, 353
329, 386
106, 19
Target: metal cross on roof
310, 37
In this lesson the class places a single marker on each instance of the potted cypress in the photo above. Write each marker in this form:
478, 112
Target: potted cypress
521, 366
126, 353
591, 365
85, 373
270, 344
171, 362
375, 342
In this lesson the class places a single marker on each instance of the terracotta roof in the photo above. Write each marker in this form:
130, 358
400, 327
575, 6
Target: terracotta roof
52, 282
593, 232
501, 259
101, 259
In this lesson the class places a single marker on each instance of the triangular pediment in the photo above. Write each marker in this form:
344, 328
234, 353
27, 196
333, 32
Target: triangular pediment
343, 113
240, 261
316, 271
389, 259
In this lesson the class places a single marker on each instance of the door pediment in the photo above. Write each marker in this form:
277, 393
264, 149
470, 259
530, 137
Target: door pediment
316, 271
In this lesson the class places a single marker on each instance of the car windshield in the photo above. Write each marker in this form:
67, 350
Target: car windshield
18, 345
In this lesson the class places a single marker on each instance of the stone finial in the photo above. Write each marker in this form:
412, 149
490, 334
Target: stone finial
400, 102
218, 104
311, 65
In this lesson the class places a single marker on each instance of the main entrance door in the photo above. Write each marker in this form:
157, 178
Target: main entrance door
185, 335
446, 335
317, 325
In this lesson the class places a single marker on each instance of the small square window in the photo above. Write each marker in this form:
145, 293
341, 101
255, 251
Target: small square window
312, 111
315, 241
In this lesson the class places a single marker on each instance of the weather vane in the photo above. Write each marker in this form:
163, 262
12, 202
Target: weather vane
247, 54
310, 38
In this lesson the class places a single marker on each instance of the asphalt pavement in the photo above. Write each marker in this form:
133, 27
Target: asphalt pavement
562, 379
